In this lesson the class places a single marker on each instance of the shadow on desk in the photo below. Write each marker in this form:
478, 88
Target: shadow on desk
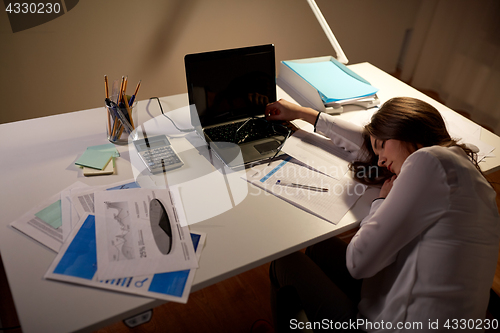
8, 314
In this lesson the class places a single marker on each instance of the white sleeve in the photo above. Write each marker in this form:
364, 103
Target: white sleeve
418, 198
343, 133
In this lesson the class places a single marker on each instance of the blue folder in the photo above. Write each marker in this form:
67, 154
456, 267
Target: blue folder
333, 80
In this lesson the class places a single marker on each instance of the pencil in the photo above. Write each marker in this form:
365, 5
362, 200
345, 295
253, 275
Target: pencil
125, 84
106, 89
128, 110
120, 91
137, 88
132, 99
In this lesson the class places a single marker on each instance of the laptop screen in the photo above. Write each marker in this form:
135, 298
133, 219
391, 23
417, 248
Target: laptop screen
233, 84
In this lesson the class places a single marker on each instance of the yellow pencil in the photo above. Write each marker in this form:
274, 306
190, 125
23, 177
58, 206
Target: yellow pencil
137, 88
120, 91
125, 101
106, 89
125, 84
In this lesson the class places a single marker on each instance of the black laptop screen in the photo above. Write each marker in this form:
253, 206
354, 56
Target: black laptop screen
231, 84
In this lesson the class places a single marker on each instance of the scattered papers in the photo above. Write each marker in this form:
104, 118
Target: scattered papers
140, 268
83, 198
44, 222
330, 205
126, 240
81, 245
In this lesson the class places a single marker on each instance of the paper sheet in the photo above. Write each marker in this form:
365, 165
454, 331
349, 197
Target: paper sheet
127, 243
70, 216
319, 153
174, 286
83, 198
331, 205
42, 222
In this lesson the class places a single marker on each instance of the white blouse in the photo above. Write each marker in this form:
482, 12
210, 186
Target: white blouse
428, 252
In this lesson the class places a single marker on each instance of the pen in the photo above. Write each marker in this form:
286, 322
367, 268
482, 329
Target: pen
131, 101
106, 90
305, 187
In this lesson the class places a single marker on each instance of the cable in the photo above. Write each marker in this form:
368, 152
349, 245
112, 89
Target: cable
9, 328
180, 129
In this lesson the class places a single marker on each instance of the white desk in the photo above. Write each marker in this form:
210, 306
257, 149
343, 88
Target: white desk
37, 161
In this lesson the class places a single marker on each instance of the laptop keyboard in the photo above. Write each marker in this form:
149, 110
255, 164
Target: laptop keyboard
253, 130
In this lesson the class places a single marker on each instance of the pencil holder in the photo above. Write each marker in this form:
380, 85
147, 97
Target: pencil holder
120, 121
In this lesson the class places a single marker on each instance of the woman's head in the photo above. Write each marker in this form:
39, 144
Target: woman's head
400, 127
408, 120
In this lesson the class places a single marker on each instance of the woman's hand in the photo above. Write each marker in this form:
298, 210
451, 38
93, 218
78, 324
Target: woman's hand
386, 188
286, 111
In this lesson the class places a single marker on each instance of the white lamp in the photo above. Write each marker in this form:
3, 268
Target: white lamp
329, 34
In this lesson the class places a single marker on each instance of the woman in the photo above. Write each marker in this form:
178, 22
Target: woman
425, 256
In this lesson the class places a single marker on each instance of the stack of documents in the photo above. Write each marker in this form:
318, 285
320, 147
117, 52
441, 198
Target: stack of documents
324, 81
105, 239
98, 160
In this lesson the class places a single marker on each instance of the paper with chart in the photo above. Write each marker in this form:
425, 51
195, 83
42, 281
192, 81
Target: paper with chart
129, 244
312, 191
83, 198
77, 263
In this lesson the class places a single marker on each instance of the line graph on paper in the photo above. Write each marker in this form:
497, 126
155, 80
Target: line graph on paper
120, 238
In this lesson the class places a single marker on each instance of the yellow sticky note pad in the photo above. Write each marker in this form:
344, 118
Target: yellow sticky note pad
109, 169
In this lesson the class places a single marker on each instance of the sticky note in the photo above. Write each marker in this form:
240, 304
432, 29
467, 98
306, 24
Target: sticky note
97, 157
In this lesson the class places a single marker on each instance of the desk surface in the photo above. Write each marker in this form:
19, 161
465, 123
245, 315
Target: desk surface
38, 161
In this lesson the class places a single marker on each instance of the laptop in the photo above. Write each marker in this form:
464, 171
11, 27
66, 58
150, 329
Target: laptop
228, 92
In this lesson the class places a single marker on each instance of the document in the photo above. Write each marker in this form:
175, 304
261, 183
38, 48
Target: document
303, 187
69, 214
44, 223
129, 243
83, 198
319, 153
77, 263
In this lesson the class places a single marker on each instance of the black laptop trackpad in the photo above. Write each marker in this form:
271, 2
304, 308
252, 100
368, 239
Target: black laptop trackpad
267, 147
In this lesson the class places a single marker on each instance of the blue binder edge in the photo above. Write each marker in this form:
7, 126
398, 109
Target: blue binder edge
342, 67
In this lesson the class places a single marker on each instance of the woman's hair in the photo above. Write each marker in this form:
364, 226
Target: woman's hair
406, 119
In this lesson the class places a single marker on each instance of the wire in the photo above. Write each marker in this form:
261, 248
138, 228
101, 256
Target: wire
180, 129
9, 328
279, 148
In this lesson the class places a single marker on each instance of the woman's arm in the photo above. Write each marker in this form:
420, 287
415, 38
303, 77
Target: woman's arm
343, 133
419, 197
284, 110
